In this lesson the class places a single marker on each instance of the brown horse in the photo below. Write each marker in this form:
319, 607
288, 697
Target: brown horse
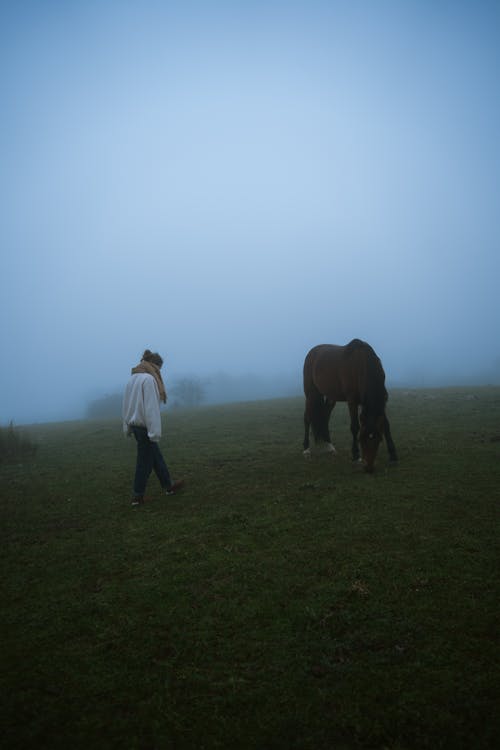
351, 373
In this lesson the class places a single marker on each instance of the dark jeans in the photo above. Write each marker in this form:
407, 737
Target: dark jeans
149, 457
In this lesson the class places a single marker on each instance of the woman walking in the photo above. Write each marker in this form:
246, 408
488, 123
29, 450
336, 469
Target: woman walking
141, 417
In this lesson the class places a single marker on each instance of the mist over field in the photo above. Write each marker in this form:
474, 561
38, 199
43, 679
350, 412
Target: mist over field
230, 184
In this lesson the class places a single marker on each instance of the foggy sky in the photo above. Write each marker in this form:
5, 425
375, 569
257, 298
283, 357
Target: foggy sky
232, 183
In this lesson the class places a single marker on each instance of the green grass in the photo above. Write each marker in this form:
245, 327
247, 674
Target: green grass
275, 604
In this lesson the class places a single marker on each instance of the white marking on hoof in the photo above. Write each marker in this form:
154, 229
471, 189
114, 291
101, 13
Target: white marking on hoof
326, 448
307, 454
322, 449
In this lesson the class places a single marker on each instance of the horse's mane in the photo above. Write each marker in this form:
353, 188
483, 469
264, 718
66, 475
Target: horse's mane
375, 393
358, 344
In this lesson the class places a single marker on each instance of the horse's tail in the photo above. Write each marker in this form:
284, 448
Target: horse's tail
317, 413
315, 410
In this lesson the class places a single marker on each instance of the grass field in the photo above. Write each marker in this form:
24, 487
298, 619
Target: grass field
275, 604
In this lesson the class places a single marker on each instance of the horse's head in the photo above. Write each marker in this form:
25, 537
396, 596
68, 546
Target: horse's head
370, 436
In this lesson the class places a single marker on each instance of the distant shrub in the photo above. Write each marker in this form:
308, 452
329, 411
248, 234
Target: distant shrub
105, 407
188, 392
15, 446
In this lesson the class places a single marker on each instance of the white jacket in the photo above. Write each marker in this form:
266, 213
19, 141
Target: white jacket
141, 405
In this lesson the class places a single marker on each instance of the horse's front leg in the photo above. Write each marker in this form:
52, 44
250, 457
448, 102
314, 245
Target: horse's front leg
393, 456
353, 411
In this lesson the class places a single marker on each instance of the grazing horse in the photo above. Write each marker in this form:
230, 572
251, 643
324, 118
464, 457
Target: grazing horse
351, 373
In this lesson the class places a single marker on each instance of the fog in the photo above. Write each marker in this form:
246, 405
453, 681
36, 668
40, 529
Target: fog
230, 184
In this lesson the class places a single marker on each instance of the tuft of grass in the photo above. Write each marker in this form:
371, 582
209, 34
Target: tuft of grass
16, 445
276, 603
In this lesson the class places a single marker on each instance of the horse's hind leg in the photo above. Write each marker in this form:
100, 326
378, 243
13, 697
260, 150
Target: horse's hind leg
328, 407
307, 428
316, 416
393, 456
353, 411
322, 433
313, 399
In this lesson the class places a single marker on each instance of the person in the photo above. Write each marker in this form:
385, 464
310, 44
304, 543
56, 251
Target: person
141, 418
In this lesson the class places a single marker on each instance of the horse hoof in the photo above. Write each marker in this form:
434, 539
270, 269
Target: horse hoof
307, 454
329, 448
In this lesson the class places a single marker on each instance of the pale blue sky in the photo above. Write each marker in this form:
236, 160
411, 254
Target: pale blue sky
232, 183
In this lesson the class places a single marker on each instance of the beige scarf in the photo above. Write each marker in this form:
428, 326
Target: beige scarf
154, 370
